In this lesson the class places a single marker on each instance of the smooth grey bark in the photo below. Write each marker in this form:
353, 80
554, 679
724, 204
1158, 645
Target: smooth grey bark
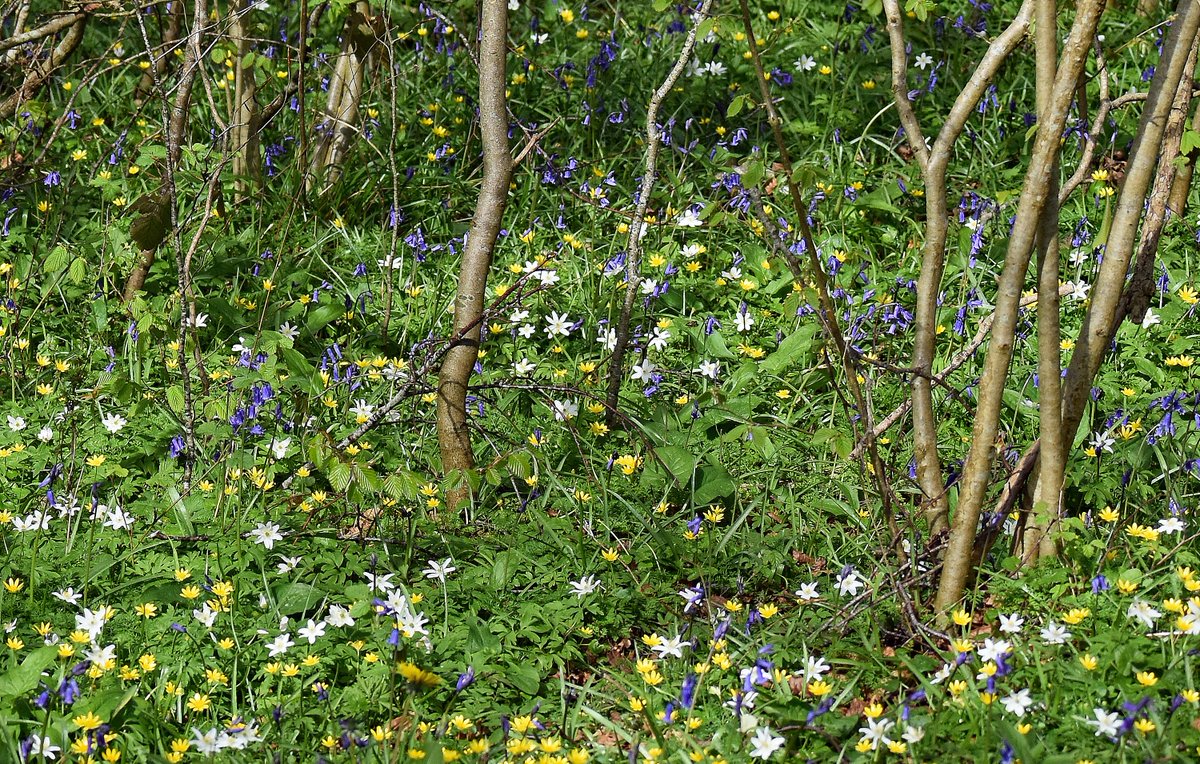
1135, 300
1037, 539
958, 562
340, 125
1100, 322
245, 122
454, 436
933, 256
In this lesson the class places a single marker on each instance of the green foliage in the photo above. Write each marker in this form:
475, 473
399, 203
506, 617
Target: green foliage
273, 590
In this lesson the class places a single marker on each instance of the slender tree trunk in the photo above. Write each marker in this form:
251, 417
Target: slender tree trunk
1183, 179
933, 257
345, 96
158, 70
1135, 300
1047, 496
1100, 323
957, 564
245, 123
454, 437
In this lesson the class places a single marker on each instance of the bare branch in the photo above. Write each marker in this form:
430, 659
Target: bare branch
633, 250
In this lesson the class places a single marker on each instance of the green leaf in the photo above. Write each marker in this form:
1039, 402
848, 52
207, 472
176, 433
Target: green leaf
679, 461
753, 174
296, 598
175, 398
339, 476
322, 317
1189, 142
22, 679
524, 678
502, 570
715, 345
735, 106
794, 347
480, 638
56, 260
78, 271
713, 483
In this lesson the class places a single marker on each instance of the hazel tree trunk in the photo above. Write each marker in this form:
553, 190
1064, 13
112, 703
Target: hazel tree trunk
244, 127
1100, 323
454, 436
345, 98
1037, 540
1183, 178
934, 163
1035, 196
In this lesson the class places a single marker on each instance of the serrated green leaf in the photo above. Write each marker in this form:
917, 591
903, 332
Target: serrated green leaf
1189, 142
339, 476
78, 271
175, 398
56, 260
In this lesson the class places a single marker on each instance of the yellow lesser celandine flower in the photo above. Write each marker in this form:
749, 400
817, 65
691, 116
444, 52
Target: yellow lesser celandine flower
1147, 678
819, 687
1089, 662
873, 711
1109, 515
88, 722
769, 610
1075, 616
14, 585
961, 617
199, 702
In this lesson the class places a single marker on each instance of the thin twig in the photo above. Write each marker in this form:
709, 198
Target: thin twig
633, 249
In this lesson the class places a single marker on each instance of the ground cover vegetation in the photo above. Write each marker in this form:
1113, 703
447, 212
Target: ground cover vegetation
537, 381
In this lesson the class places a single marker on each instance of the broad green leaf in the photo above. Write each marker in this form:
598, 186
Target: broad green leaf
23, 678
295, 598
793, 348
679, 461
713, 483
524, 678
